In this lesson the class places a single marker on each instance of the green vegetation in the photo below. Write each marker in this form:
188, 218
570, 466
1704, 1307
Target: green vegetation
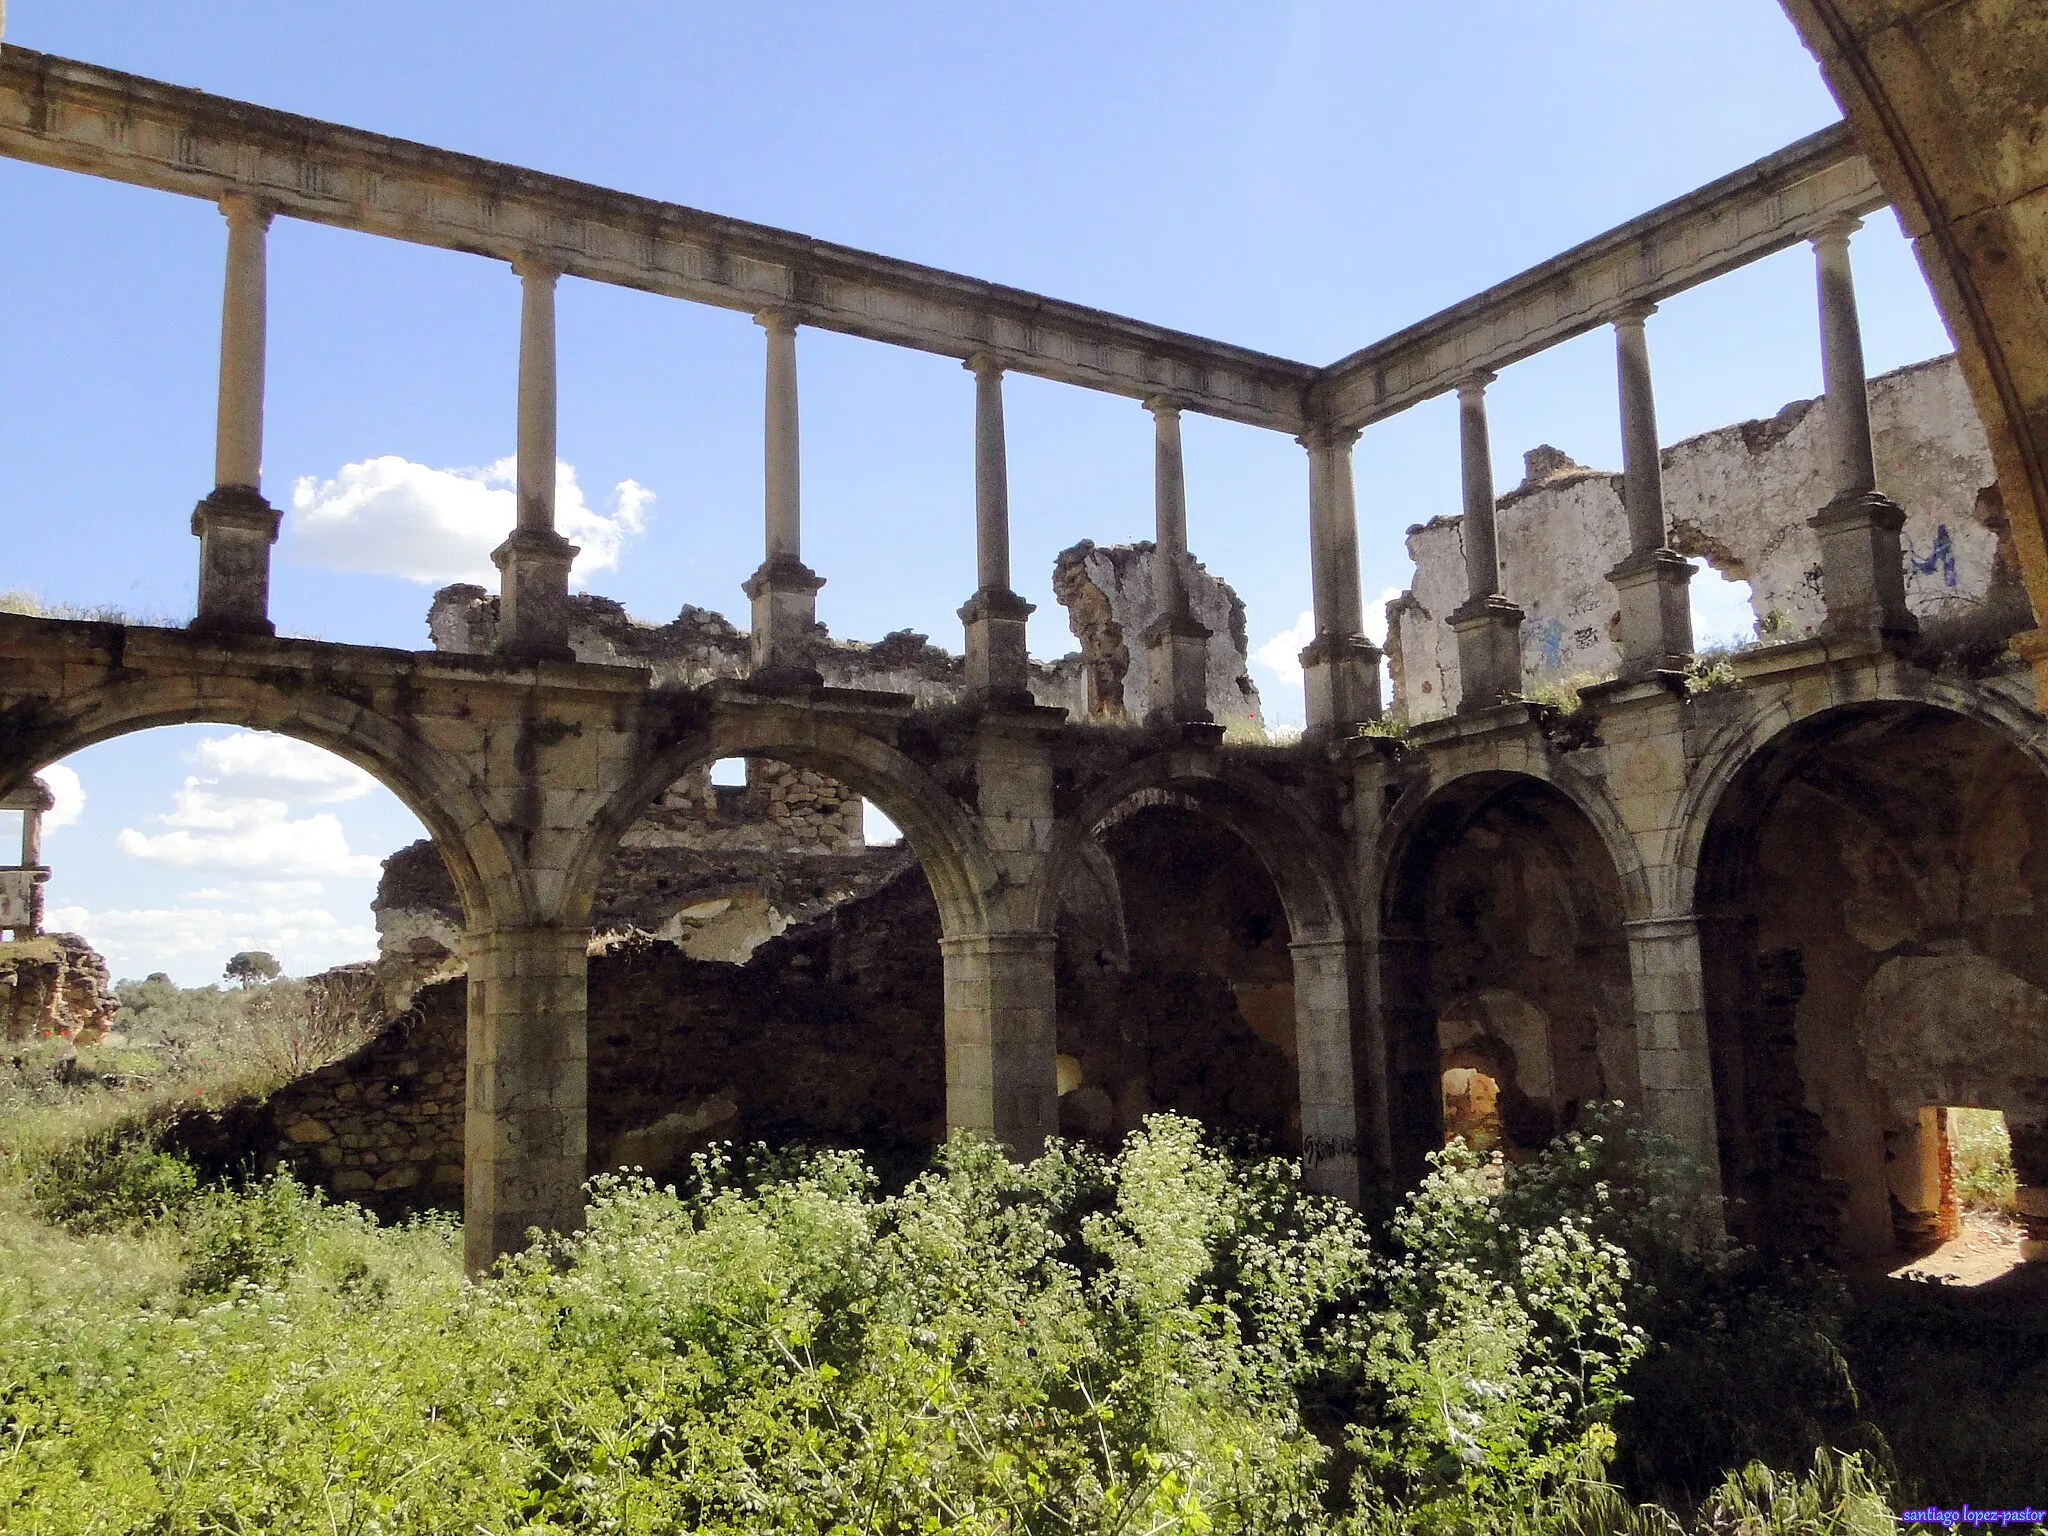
1983, 1160
1172, 1340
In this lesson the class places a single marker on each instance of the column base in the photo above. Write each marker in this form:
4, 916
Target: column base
235, 527
1489, 631
1177, 648
1340, 680
533, 595
784, 592
1656, 616
1862, 565
998, 664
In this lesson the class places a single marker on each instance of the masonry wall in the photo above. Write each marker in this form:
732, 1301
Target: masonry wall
1875, 951
831, 1033
1737, 498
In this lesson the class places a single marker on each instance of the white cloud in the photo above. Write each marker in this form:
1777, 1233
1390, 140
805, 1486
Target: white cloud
1376, 616
1281, 654
193, 944
247, 832
388, 516
69, 793
297, 770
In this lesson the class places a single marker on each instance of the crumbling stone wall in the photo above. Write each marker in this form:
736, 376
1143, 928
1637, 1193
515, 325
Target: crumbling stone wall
1110, 597
1875, 889
54, 984
1737, 498
831, 1032
714, 902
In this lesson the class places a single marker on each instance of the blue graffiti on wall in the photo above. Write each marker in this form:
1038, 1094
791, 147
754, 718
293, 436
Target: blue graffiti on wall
1942, 556
1550, 640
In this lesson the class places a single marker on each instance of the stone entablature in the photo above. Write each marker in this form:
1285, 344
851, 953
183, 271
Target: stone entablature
1737, 498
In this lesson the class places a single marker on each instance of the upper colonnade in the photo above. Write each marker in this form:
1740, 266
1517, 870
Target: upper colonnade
258, 164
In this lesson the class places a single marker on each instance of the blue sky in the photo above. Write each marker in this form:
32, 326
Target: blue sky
1300, 177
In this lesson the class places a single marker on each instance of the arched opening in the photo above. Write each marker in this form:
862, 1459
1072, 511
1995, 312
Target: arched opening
208, 929
1871, 885
1504, 971
1176, 988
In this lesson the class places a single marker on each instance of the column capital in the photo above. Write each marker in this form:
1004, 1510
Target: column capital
1633, 313
1473, 385
1162, 406
982, 364
776, 321
244, 211
1835, 230
1317, 438
529, 265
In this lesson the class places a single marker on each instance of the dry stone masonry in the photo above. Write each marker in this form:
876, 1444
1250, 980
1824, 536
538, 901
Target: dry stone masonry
1788, 904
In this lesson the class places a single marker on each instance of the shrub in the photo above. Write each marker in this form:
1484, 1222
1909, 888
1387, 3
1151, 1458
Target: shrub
1172, 1340
109, 1183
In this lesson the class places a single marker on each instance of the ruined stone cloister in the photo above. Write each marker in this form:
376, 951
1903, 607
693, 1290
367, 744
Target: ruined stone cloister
1788, 905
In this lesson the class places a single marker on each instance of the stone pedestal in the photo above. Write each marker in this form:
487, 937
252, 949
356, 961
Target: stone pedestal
525, 1137
235, 527
1002, 1036
1656, 615
998, 665
1340, 676
1862, 566
1489, 631
533, 615
1177, 647
784, 592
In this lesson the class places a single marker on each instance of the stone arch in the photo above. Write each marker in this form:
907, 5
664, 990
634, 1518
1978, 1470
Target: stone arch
1860, 869
938, 829
433, 786
1302, 864
1300, 860
1420, 802
1746, 739
1500, 884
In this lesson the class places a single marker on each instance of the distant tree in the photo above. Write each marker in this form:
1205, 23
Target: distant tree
252, 966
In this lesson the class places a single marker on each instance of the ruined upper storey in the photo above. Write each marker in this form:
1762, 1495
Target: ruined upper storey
1737, 499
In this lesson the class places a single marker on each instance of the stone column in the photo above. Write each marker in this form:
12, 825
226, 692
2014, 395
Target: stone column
784, 591
1488, 626
1656, 618
525, 1140
1178, 647
235, 526
998, 665
1325, 986
1672, 1051
1340, 668
1002, 1038
1862, 564
533, 562
38, 799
